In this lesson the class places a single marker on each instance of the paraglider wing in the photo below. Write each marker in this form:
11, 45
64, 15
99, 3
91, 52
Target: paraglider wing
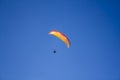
61, 36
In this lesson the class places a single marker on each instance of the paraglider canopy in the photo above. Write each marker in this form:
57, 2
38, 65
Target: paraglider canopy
61, 36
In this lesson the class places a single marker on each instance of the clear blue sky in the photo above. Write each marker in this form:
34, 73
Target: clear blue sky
93, 26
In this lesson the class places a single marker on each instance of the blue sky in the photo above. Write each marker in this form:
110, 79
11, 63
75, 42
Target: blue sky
93, 26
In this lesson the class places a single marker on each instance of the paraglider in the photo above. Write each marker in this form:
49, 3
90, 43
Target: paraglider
54, 51
60, 36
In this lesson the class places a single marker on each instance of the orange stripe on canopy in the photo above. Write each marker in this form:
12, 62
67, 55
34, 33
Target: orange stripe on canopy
61, 36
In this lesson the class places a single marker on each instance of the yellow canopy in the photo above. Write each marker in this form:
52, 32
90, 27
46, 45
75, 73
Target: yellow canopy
60, 36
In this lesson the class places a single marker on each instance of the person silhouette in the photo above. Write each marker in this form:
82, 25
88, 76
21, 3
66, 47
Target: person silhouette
54, 51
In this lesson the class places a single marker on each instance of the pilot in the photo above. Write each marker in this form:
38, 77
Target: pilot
54, 51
